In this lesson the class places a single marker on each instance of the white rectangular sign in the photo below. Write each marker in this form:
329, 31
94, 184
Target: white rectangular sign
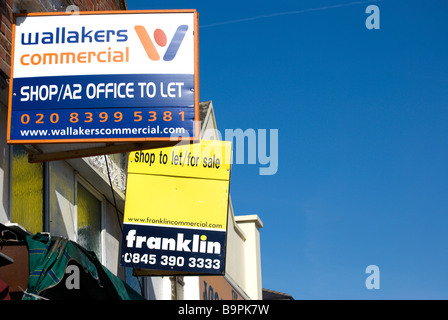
99, 77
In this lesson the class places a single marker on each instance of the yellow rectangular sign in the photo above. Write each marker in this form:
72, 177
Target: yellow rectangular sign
176, 208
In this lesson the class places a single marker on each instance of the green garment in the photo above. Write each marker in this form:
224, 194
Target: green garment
48, 260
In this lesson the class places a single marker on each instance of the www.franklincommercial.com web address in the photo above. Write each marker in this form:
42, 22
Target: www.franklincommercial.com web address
175, 222
69, 131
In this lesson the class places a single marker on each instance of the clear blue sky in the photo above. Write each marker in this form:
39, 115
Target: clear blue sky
363, 138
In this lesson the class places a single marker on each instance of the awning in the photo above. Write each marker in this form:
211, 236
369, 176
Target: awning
48, 260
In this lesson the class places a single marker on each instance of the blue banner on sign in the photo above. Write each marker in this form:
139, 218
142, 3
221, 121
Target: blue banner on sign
102, 123
115, 90
154, 247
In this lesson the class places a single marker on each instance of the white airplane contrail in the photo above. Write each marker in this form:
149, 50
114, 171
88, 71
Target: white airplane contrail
287, 13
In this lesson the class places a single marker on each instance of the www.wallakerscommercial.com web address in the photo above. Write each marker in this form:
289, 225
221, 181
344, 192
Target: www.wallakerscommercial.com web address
69, 131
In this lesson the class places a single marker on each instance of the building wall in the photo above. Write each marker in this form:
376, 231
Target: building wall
6, 10
4, 159
236, 240
251, 225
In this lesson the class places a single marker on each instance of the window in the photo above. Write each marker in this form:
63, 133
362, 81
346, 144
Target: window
53, 197
62, 200
75, 208
27, 191
89, 210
